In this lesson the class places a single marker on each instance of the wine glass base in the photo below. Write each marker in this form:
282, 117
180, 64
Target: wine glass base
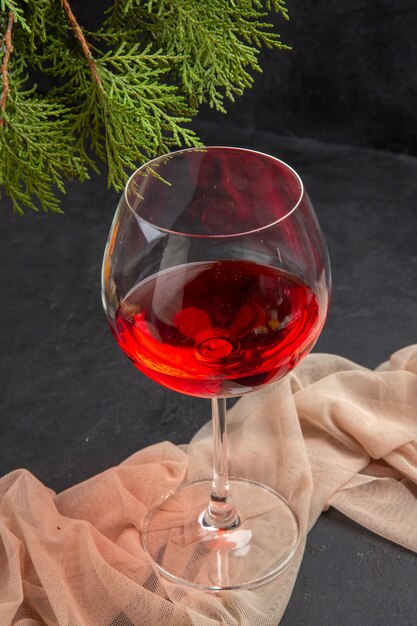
187, 552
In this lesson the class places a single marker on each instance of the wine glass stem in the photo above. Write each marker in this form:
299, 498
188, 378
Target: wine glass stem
220, 513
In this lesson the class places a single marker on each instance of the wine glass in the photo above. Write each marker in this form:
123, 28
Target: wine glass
215, 283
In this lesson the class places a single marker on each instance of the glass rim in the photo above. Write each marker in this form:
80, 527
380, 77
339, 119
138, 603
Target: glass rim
169, 231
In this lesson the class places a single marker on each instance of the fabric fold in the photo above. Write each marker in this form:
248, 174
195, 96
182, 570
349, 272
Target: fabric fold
332, 433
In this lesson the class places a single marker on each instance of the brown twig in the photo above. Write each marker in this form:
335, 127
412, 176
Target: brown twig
80, 36
7, 42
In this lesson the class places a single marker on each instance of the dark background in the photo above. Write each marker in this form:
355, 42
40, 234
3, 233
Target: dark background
351, 76
72, 405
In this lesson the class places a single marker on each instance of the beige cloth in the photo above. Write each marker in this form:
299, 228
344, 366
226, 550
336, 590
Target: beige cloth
331, 434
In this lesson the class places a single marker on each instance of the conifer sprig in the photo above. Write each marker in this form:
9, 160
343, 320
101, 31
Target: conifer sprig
123, 93
37, 151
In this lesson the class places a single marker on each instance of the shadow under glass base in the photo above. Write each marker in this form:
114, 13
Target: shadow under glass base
187, 552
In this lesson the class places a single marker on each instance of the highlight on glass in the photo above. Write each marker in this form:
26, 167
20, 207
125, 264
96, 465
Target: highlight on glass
215, 283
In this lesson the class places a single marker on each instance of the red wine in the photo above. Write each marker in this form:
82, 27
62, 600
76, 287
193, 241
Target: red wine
218, 328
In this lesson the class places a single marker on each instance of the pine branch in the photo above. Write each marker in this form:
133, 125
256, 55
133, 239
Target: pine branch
217, 48
37, 150
124, 93
80, 36
132, 115
7, 42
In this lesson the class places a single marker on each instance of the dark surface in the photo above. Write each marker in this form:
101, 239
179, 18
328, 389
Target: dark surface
72, 405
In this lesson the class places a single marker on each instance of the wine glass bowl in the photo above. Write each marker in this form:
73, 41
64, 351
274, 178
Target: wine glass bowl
215, 283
